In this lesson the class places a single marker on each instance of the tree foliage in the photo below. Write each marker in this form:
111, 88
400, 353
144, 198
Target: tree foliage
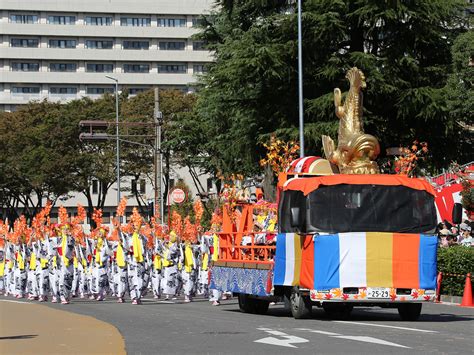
250, 92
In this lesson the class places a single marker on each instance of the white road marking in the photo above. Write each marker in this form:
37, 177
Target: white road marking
15, 301
370, 340
287, 341
317, 331
386, 326
167, 302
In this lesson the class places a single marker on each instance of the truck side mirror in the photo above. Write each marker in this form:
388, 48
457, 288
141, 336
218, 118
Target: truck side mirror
457, 213
295, 217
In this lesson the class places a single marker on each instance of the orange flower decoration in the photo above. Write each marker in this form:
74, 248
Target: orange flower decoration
97, 217
177, 223
136, 218
122, 206
81, 215
63, 216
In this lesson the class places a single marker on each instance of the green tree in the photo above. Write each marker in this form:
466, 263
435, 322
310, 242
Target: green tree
250, 91
460, 95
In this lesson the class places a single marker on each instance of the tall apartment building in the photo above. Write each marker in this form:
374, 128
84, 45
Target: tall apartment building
63, 50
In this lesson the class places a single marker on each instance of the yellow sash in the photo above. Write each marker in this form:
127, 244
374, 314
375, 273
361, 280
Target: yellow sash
55, 264
10, 264
120, 256
2, 268
97, 251
84, 263
137, 248
21, 261
44, 263
166, 262
75, 263
215, 243
157, 262
205, 261
188, 259
64, 247
33, 261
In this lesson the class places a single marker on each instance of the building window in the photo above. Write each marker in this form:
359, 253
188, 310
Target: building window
96, 44
98, 21
138, 186
142, 186
135, 91
172, 68
136, 45
172, 46
99, 91
136, 68
210, 184
62, 43
25, 89
24, 42
25, 66
199, 46
171, 22
135, 21
199, 68
106, 217
62, 20
17, 18
95, 187
66, 67
99, 68
63, 90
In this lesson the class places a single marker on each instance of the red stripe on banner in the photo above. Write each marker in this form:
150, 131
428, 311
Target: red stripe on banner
405, 269
307, 263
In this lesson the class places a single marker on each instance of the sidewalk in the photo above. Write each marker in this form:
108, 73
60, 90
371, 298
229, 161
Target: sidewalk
28, 328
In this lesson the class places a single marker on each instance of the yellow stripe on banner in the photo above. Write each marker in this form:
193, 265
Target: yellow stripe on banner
379, 259
298, 246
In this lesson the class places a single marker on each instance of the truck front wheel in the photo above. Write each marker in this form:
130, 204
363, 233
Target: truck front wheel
300, 305
409, 311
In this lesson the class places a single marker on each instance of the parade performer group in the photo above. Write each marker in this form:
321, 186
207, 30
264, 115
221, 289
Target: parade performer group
45, 261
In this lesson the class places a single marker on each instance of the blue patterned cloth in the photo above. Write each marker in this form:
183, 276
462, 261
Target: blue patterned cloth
239, 280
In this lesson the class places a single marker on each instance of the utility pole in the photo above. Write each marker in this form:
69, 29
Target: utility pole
158, 116
300, 81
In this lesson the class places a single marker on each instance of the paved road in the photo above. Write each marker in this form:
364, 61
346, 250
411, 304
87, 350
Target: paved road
177, 328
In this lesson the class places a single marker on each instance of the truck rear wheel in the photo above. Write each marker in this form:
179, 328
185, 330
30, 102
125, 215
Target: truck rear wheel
409, 311
300, 305
246, 304
261, 306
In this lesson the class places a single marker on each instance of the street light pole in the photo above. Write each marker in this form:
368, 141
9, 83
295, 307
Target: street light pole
300, 81
158, 157
117, 134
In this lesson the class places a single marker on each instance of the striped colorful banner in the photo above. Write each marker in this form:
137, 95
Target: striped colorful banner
287, 259
370, 260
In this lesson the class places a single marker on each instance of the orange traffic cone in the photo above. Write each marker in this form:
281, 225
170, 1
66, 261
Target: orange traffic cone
467, 295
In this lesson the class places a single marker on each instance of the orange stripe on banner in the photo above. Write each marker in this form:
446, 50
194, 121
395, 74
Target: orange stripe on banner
307, 263
405, 260
298, 246
379, 259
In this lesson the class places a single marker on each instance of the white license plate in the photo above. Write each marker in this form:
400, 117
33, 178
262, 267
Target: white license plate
378, 292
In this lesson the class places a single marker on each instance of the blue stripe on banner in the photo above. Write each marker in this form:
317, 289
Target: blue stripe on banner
326, 262
280, 260
427, 261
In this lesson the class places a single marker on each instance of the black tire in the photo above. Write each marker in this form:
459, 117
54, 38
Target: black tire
246, 304
338, 311
409, 311
300, 305
261, 306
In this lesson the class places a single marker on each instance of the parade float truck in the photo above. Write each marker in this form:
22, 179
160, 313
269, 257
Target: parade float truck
347, 235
